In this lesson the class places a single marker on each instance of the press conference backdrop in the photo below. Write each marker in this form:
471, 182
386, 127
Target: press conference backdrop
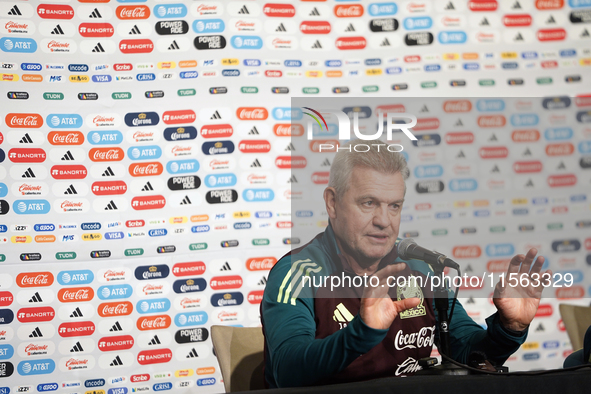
146, 185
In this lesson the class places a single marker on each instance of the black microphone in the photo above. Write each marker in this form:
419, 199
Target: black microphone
408, 249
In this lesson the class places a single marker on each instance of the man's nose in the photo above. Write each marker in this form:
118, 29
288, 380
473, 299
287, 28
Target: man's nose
380, 216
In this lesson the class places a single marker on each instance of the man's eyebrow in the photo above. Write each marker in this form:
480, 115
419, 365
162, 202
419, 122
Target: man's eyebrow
399, 201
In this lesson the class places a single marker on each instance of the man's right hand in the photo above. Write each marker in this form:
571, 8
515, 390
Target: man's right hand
377, 308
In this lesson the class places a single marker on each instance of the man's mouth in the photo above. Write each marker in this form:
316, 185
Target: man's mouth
378, 237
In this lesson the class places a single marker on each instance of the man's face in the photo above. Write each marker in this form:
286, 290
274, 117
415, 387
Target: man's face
367, 216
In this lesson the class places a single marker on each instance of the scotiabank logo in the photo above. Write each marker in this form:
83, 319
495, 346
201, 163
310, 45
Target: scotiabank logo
464, 137
320, 178
146, 169
148, 202
69, 172
96, 30
492, 121
133, 12
493, 152
176, 117
517, 20
563, 149
457, 106
135, 223
156, 356
346, 43
139, 378
28, 121
55, 11
120, 342
482, 5
252, 113
544, 310
225, 282
279, 10
108, 188
187, 269
525, 135
467, 252
159, 322
255, 297
260, 263
27, 155
288, 130
106, 154
217, 131
315, 27
77, 329
551, 34
562, 180
107, 309
34, 315
291, 162
348, 11
34, 279
65, 138
524, 167
254, 146
136, 46
76, 294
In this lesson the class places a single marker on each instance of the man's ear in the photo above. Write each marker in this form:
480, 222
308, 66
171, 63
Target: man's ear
330, 200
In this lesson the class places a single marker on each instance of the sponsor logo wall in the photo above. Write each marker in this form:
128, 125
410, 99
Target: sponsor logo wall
149, 165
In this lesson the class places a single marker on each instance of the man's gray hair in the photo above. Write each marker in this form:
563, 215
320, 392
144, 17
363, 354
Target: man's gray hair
376, 158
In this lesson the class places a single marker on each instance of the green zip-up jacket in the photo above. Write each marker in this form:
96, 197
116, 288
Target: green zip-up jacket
315, 336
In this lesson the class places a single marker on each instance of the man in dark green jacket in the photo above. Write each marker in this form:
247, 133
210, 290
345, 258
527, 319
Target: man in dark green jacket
367, 326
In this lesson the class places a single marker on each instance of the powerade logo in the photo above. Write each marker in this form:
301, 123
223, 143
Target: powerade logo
227, 299
112, 137
204, 228
144, 152
463, 185
258, 195
208, 26
287, 113
252, 62
494, 250
524, 120
190, 319
231, 73
381, 9
37, 367
188, 74
263, 214
162, 386
157, 232
452, 37
114, 292
220, 180
31, 207
145, 77
418, 22
81, 68
101, 78
182, 166
191, 285
428, 171
77, 277
115, 235
65, 121
94, 383
246, 42
90, 226
31, 67
490, 105
20, 45
153, 306
292, 63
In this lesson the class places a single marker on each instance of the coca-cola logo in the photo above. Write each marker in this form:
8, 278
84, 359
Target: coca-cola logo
133, 12
106, 154
471, 251
34, 279
65, 138
457, 106
424, 338
115, 309
28, 121
252, 113
76, 294
153, 322
348, 11
260, 263
146, 169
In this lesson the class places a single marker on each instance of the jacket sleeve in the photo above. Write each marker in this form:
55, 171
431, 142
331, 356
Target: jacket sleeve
296, 358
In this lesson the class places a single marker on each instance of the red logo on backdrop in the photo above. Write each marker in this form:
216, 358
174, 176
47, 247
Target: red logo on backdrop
148, 202
136, 46
69, 172
551, 34
549, 4
562, 180
320, 178
346, 43
135, 223
348, 11
273, 73
517, 20
133, 12
467, 252
93, 1
316, 145
55, 11
491, 121
30, 315
288, 130
498, 265
76, 294
217, 131
482, 5
156, 356
560, 209
254, 146
284, 224
6, 298
96, 30
27, 155
461, 137
122, 308
34, 279
146, 169
544, 310
176, 117
122, 67
385, 109
27, 121
108, 188
457, 106
158, 322
531, 135
121, 342
549, 64
106, 154
423, 206
315, 27
225, 282
255, 297
1, 138
523, 167
279, 10
77, 329
252, 113
187, 269
563, 149
426, 124
493, 152
565, 293
588, 244
580, 101
65, 138
291, 162
412, 59
260, 263
139, 378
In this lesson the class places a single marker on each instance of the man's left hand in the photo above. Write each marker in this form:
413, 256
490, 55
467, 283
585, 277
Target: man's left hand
517, 304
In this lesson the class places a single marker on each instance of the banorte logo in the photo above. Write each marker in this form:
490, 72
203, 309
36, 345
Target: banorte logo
76, 329
188, 269
177, 117
65, 138
34, 279
279, 10
55, 11
252, 113
122, 308
315, 27
76, 294
156, 356
350, 43
348, 11
133, 12
159, 322
27, 121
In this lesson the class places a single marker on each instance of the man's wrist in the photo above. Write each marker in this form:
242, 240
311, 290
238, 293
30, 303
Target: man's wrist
514, 328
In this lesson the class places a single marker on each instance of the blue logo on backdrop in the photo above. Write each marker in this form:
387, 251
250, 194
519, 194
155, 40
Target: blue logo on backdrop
162, 386
101, 78
263, 214
6, 352
78, 277
373, 62
78, 68
144, 152
170, 11
220, 180
190, 319
482, 213
443, 215
47, 387
94, 383
3, 189
252, 62
65, 121
115, 235
182, 166
114, 292
524, 119
3, 228
227, 299
6, 316
218, 147
208, 26
203, 228
304, 214
230, 73
36, 367
418, 22
206, 381
153, 306
31, 207
490, 105
509, 65
493, 250
112, 137
428, 171
292, 63
145, 77
90, 226
558, 133
246, 42
471, 66
180, 133
463, 185
568, 53
21, 45
452, 37
258, 195
188, 74
529, 55
242, 226
31, 67
380, 9
191, 285
118, 390
287, 113
333, 63
157, 232
432, 67
585, 147
44, 227
393, 70
579, 3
